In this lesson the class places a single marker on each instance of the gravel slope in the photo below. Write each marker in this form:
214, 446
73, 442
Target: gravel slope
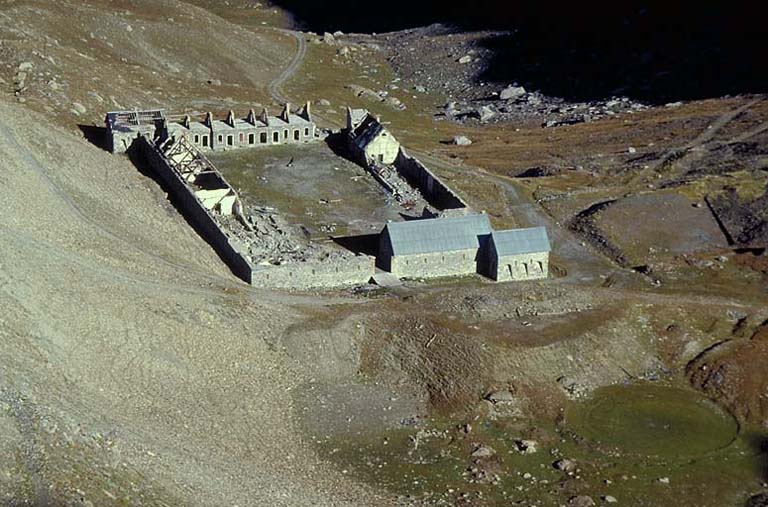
134, 367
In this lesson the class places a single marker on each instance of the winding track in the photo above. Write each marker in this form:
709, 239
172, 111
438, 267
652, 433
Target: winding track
275, 86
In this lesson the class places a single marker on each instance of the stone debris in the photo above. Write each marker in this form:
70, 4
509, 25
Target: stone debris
526, 446
511, 92
377, 96
483, 451
565, 465
461, 141
524, 105
581, 501
501, 396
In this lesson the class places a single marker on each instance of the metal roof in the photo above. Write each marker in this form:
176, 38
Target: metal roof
134, 118
520, 241
438, 234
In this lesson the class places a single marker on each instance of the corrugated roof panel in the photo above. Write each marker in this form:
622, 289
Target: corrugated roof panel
521, 241
438, 234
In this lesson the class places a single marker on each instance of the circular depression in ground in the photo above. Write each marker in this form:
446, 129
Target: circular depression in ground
653, 420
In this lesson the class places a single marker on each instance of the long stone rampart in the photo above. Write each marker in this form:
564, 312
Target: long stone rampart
194, 210
316, 274
431, 187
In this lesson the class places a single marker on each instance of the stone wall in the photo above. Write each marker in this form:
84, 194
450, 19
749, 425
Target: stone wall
530, 266
434, 265
356, 270
430, 186
202, 219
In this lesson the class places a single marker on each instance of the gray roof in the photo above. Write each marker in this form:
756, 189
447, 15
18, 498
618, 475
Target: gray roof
438, 234
520, 241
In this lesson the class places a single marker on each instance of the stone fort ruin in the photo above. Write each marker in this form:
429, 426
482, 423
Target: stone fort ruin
447, 238
210, 134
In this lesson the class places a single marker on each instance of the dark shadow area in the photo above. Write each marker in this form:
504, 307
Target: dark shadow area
97, 136
759, 445
408, 218
337, 142
367, 244
655, 52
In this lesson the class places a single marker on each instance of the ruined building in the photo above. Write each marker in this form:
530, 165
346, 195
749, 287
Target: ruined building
447, 238
123, 127
369, 142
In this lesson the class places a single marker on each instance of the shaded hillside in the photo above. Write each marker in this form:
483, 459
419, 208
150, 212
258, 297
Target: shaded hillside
656, 54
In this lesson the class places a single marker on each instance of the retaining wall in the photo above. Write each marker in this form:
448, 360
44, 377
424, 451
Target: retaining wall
430, 186
314, 275
204, 222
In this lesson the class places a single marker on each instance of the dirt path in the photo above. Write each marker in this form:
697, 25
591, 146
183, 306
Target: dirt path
275, 86
696, 145
583, 265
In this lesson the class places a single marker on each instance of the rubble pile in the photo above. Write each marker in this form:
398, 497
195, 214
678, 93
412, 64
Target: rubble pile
515, 103
269, 239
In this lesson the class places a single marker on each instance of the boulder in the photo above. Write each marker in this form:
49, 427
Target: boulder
485, 113
503, 395
465, 59
465, 141
566, 465
512, 92
581, 501
328, 38
76, 106
483, 451
394, 102
610, 499
323, 102
526, 446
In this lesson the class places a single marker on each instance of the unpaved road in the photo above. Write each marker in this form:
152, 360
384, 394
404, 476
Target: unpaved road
275, 86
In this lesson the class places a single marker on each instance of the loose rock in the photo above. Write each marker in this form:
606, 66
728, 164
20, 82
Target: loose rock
581, 501
465, 141
512, 92
483, 452
566, 465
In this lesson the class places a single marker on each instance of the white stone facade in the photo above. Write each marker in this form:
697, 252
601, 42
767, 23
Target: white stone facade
530, 266
435, 265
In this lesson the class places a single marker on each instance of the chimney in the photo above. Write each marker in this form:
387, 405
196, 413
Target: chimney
286, 112
231, 118
306, 113
252, 117
265, 116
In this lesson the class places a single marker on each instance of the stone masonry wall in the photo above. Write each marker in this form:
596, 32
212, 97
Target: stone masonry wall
433, 265
513, 267
313, 275
430, 186
205, 223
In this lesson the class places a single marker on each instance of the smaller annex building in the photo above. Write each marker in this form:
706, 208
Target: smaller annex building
518, 254
463, 245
